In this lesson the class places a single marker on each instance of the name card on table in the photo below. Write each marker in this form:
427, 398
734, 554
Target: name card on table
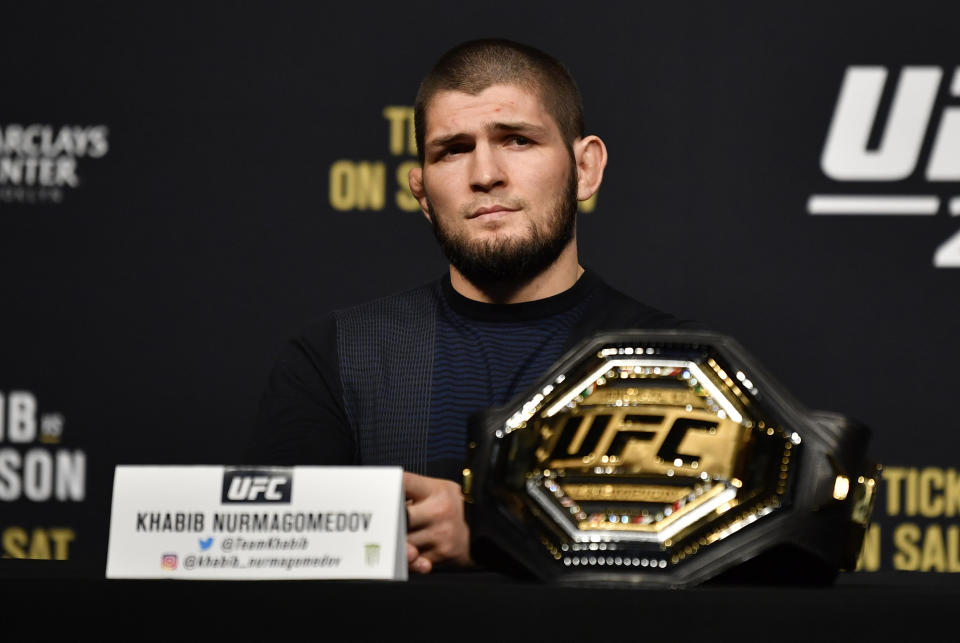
249, 523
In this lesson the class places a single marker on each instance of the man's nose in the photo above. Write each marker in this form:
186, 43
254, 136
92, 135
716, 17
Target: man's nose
486, 170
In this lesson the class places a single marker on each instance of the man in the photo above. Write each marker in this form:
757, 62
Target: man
504, 160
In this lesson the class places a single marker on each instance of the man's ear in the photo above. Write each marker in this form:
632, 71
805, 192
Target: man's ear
590, 155
415, 178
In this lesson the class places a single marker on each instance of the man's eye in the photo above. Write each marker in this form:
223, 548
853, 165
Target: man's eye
520, 140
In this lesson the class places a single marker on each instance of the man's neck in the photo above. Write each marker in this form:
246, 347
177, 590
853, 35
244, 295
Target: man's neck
561, 275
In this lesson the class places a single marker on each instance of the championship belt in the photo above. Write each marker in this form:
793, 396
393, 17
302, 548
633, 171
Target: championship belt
666, 458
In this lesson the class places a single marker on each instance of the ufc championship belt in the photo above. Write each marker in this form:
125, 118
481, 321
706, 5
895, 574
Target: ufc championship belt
666, 458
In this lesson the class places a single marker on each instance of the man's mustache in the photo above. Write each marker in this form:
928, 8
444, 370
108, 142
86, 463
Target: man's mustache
515, 203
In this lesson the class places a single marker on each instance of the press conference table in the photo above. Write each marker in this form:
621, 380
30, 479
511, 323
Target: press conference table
480, 605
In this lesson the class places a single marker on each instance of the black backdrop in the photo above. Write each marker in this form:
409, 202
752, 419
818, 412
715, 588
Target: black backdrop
227, 175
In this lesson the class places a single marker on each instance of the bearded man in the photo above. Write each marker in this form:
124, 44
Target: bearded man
504, 159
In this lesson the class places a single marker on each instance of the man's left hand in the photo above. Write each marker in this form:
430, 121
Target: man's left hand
437, 531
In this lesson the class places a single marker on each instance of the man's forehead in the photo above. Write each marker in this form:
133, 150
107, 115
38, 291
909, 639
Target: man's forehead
452, 109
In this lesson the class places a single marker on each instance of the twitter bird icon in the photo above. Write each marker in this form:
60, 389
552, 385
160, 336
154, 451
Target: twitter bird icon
205, 543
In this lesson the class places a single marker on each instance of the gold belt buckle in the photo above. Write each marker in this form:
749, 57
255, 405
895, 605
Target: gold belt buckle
664, 458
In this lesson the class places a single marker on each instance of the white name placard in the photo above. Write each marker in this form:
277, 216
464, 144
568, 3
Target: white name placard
246, 523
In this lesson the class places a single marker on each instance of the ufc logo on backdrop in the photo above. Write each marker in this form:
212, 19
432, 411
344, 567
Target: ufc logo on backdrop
897, 153
259, 486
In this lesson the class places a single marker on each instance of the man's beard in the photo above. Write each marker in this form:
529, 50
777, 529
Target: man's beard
504, 261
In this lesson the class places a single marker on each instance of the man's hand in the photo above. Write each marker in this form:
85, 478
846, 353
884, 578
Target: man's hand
437, 531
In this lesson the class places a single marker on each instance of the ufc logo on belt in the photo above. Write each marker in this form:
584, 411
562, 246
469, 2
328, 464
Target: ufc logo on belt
651, 440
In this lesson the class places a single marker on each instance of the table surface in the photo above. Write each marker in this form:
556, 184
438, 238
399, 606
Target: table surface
482, 605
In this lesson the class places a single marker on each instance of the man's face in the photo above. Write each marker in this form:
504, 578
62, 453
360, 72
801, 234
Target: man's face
499, 183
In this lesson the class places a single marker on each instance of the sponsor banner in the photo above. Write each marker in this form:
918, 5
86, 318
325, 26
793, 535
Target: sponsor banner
215, 522
915, 524
42, 479
875, 145
167, 229
34, 466
39, 161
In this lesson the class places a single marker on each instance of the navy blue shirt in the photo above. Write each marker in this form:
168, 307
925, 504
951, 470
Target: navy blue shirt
483, 356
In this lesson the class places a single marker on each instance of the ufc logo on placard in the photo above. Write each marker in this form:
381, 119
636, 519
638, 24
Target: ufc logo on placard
256, 486
897, 151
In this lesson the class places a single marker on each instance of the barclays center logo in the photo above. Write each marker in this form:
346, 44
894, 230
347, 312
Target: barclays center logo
40, 162
893, 148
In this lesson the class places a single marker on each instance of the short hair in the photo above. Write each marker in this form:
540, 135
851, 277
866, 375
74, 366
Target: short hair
475, 65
